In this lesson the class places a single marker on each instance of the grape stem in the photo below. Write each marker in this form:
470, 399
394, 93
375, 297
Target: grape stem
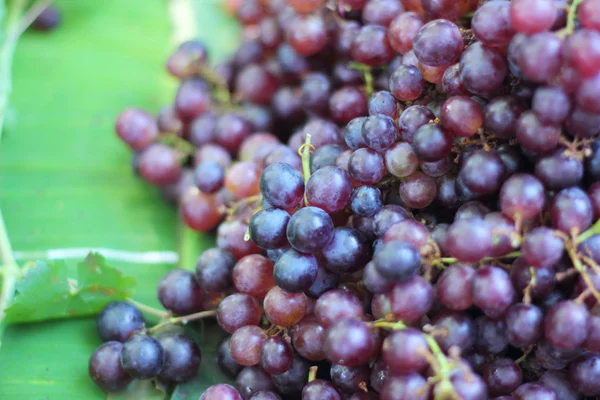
184, 319
367, 75
17, 22
572, 251
440, 363
149, 310
594, 230
10, 273
452, 260
304, 152
572, 14
312, 373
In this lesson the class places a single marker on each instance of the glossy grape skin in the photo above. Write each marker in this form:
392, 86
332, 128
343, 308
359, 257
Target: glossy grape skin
283, 308
212, 152
542, 248
325, 280
159, 164
253, 275
479, 244
397, 261
405, 351
310, 229
405, 387
245, 345
276, 355
454, 288
243, 179
226, 363
366, 166
384, 103
418, 190
482, 69
462, 116
400, 160
501, 115
281, 185
316, 89
582, 123
366, 201
307, 34
532, 16
493, 292
379, 132
403, 29
325, 156
230, 236
142, 357
221, 391
231, 130
438, 43
118, 321
412, 299
460, 328
295, 271
412, 119
534, 391
566, 325
502, 376
491, 23
584, 373
307, 338
251, 380
105, 367
291, 382
320, 390
348, 342
335, 305
192, 99
545, 47
136, 128
522, 196
406, 83
353, 133
347, 103
521, 277
209, 177
559, 171
387, 216
349, 379
372, 47
431, 143
558, 381
551, 104
179, 292
346, 252
182, 358
237, 310
571, 211
381, 12
329, 189
265, 395
267, 228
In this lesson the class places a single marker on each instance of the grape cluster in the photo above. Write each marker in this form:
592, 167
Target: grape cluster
405, 197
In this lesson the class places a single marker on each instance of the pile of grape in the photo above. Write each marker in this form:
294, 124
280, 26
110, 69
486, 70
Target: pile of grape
404, 194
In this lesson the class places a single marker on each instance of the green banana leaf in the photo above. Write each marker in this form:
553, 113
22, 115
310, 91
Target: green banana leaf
66, 181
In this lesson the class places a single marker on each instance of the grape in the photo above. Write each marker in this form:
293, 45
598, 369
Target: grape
373, 280
366, 166
551, 104
460, 331
462, 116
381, 12
348, 342
105, 367
388, 216
584, 373
182, 358
582, 52
284, 155
307, 338
542, 248
347, 103
559, 383
566, 325
265, 395
455, 287
251, 380
493, 292
372, 47
501, 115
384, 103
118, 321
307, 34
400, 160
405, 351
397, 261
379, 132
405, 387
227, 364
468, 385
349, 379
588, 96
250, 12
545, 48
492, 24
292, 381
267, 228
209, 177
471, 209
276, 355
192, 99
403, 29
587, 12
230, 236
438, 43
335, 305
366, 201
551, 357
412, 119
325, 156
451, 82
532, 16
478, 244
221, 391
482, 69
320, 390
482, 172
406, 83
136, 128
521, 277
347, 252
310, 229
230, 131
491, 335
571, 211
246, 343
284, 308
325, 280
179, 292
253, 275
431, 143
237, 310
212, 152
281, 185
502, 376
142, 357
316, 89
411, 300
243, 179
256, 84
559, 171
522, 196
329, 188
295, 271
418, 190
159, 164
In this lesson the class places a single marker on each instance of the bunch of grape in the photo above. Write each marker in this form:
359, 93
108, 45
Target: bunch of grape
404, 193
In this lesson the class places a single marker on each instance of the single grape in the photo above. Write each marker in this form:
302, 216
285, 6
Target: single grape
281, 185
491, 335
522, 196
350, 379
405, 351
221, 391
251, 380
347, 103
492, 24
493, 292
237, 310
245, 344
335, 305
438, 43
454, 288
502, 376
142, 357
372, 47
105, 367
469, 240
320, 389
253, 275
159, 164
482, 69
182, 358
406, 83
136, 128
532, 16
411, 300
567, 324
295, 271
227, 364
307, 34
366, 166
542, 247
348, 342
432, 142
329, 188
267, 228
118, 321
347, 252
397, 261
284, 308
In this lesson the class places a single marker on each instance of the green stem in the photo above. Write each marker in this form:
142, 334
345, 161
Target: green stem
571, 16
184, 319
304, 151
155, 312
312, 373
452, 260
178, 144
10, 273
367, 75
594, 230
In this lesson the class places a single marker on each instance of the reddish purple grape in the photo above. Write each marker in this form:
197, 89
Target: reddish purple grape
532, 16
438, 43
136, 128
372, 47
406, 83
